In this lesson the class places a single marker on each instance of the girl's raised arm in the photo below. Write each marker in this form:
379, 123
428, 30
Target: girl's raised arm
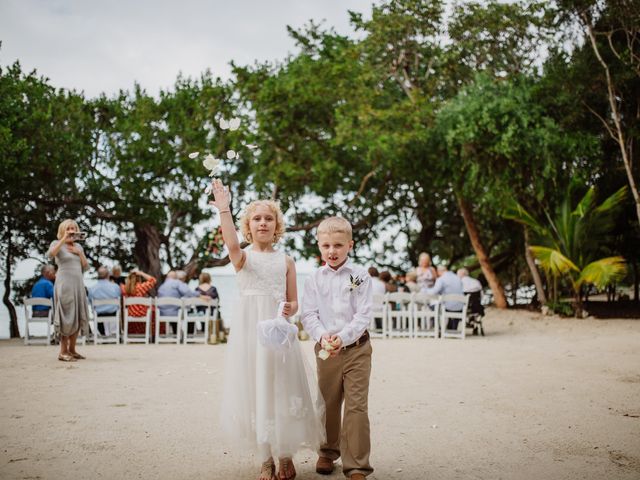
222, 199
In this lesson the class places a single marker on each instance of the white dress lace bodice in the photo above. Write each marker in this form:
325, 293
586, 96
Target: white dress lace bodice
263, 273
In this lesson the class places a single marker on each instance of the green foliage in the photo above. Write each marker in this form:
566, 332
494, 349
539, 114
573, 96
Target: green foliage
426, 106
570, 242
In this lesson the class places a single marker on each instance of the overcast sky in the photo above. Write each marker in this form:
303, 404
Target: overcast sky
105, 45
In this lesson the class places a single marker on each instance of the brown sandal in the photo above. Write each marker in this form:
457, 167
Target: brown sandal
268, 470
66, 358
77, 356
286, 471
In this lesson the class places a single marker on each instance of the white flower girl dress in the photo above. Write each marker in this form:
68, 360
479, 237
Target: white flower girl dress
268, 407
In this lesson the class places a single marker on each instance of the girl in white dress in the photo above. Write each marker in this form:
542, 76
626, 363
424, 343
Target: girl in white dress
267, 405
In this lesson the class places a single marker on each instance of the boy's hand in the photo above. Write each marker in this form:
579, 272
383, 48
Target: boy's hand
336, 341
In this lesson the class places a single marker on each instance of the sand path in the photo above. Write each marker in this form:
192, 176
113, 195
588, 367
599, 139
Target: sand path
538, 397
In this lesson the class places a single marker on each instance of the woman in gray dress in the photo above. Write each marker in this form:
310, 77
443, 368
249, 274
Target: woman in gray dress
70, 308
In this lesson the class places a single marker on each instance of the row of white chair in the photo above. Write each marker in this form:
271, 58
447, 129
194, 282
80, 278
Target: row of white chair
115, 329
414, 315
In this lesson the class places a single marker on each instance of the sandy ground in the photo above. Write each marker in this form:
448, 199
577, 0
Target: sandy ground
538, 397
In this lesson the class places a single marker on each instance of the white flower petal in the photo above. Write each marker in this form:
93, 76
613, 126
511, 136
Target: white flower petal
252, 147
323, 354
224, 125
210, 162
231, 154
234, 124
194, 155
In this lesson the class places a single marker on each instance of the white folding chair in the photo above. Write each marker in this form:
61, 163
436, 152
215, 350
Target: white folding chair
168, 336
460, 316
30, 337
193, 316
399, 315
426, 309
137, 338
378, 325
111, 322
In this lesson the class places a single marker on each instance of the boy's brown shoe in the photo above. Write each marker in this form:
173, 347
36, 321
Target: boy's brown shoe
357, 476
324, 466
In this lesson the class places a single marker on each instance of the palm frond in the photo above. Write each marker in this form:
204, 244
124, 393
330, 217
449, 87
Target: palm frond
613, 202
603, 272
586, 204
553, 260
515, 211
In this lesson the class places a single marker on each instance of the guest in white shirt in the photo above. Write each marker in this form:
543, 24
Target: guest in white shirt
469, 284
377, 286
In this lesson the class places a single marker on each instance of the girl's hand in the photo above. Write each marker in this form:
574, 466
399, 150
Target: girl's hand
286, 309
221, 195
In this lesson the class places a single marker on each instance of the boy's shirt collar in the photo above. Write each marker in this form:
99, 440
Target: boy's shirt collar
345, 266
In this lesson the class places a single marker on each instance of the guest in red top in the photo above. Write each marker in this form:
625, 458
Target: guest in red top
138, 284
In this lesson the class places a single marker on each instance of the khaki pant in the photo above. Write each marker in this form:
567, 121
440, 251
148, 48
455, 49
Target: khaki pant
346, 378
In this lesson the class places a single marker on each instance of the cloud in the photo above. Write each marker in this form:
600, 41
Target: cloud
98, 46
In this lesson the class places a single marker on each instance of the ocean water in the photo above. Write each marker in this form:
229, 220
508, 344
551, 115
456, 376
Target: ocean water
225, 282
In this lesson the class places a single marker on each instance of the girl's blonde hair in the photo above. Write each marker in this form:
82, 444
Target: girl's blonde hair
63, 227
275, 209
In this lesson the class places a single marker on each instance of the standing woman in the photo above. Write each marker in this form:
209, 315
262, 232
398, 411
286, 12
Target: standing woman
426, 274
70, 308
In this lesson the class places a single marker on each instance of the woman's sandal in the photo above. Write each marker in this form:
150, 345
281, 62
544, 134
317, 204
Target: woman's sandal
77, 356
286, 471
66, 358
268, 470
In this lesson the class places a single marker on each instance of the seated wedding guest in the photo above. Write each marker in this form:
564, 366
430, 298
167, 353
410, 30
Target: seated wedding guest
400, 281
105, 289
411, 283
43, 288
174, 286
138, 284
426, 274
206, 289
389, 286
377, 286
473, 288
116, 275
447, 282
469, 284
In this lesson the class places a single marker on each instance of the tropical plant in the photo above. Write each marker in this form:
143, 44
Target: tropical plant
570, 244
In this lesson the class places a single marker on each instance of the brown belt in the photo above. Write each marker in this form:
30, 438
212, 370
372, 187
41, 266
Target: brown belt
363, 339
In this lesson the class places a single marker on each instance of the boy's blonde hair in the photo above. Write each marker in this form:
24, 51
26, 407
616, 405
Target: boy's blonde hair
336, 225
63, 227
275, 209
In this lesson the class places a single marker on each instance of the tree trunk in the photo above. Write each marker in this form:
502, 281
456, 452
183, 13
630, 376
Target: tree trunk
535, 274
14, 332
472, 230
147, 249
636, 282
617, 131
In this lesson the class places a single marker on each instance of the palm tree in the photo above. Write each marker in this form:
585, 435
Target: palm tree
571, 243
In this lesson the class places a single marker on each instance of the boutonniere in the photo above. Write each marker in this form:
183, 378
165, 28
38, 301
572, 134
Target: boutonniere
354, 282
